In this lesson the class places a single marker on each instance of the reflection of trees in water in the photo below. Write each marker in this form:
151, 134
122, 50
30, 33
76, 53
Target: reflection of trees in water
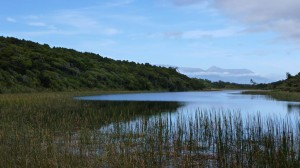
293, 108
264, 97
106, 112
93, 115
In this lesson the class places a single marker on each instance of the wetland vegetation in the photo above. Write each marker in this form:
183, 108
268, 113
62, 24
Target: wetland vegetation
55, 130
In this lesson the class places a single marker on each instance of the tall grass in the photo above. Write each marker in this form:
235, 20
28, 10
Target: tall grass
206, 138
53, 130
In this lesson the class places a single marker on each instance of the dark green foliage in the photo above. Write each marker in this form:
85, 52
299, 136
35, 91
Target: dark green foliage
28, 66
229, 85
291, 84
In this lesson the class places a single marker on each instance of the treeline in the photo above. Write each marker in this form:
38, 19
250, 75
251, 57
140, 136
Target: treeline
230, 85
28, 66
290, 84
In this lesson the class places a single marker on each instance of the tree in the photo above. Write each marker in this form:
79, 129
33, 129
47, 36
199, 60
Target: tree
253, 82
288, 75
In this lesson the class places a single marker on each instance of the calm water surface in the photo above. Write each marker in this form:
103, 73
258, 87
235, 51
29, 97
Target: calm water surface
184, 106
209, 100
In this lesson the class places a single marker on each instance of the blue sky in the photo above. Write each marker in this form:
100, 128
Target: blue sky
260, 35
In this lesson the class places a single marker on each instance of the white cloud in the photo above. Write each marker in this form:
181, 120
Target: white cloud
10, 19
260, 10
74, 18
210, 33
196, 34
282, 16
50, 28
82, 23
68, 22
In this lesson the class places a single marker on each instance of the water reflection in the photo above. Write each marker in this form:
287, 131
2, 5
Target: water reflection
187, 102
105, 112
293, 108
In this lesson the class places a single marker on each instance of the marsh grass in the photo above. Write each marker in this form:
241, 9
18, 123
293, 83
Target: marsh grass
54, 130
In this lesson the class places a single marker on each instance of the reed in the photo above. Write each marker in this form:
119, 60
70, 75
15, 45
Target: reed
54, 130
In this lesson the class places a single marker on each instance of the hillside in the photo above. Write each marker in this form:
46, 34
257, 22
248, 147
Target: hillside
28, 66
291, 84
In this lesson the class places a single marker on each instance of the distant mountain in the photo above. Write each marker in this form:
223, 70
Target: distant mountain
241, 76
27, 66
215, 69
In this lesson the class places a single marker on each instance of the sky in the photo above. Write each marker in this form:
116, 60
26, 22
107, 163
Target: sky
260, 35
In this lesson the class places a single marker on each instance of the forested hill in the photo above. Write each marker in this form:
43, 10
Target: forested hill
29, 66
291, 84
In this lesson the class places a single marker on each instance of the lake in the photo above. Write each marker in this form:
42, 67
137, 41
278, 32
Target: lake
211, 128
188, 102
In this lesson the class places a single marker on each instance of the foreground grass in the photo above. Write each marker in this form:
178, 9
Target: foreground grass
36, 128
54, 130
278, 95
